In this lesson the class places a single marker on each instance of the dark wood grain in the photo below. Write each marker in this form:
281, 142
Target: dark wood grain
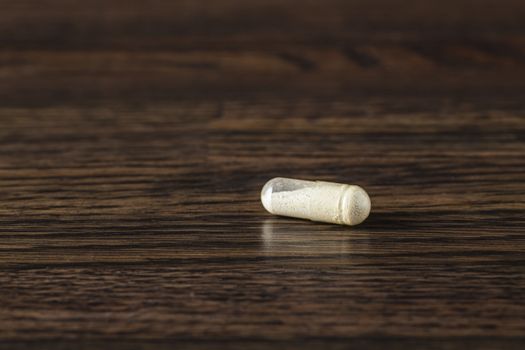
135, 138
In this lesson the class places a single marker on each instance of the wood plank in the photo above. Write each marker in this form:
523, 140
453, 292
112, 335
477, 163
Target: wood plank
135, 138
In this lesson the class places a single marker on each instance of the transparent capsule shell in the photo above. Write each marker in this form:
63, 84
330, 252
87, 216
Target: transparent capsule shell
316, 200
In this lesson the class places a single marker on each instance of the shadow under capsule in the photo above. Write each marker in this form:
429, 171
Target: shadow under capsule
298, 238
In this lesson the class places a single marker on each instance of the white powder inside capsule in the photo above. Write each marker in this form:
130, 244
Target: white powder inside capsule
327, 202
314, 203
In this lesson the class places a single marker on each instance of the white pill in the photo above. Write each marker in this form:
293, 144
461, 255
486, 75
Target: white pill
316, 200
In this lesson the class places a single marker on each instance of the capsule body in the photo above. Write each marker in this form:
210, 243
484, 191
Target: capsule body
316, 200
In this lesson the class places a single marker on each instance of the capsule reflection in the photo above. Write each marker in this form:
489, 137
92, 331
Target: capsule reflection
283, 239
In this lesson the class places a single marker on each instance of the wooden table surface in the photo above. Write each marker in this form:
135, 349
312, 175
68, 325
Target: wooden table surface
135, 138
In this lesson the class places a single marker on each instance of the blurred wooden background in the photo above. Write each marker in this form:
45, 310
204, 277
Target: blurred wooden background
135, 138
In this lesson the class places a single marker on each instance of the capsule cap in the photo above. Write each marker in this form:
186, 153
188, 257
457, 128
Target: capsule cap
266, 196
355, 205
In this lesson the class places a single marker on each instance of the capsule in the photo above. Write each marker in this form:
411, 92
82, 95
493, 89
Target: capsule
316, 200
